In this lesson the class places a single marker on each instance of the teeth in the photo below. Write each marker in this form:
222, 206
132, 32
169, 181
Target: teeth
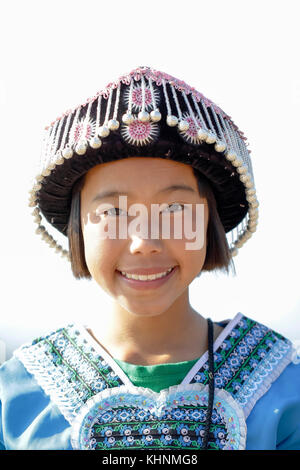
151, 277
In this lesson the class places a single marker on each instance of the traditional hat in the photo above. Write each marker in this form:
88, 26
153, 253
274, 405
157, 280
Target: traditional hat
146, 113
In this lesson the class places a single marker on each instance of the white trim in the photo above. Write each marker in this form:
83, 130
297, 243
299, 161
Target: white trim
191, 374
108, 358
160, 401
264, 383
51, 380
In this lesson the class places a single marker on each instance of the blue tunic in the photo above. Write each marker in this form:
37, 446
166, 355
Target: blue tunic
49, 388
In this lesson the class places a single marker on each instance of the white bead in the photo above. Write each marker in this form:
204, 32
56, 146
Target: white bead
201, 134
46, 172
127, 118
252, 223
143, 116
67, 153
234, 251
113, 124
250, 192
253, 217
220, 146
183, 125
231, 156
253, 211
249, 184
172, 121
103, 131
245, 178
65, 254
35, 212
244, 238
40, 229
254, 220
45, 236
95, 142
155, 115
59, 158
242, 170
251, 198
211, 138
81, 147
37, 219
237, 162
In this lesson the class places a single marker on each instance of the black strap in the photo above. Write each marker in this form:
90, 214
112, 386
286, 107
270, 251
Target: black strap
211, 382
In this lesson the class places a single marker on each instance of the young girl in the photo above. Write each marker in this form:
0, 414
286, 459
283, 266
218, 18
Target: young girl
153, 373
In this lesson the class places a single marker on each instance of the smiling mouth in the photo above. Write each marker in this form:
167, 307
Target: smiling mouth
146, 278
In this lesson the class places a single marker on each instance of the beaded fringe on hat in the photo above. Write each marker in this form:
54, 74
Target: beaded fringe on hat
200, 121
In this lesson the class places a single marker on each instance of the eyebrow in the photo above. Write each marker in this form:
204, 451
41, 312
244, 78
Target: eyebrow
168, 189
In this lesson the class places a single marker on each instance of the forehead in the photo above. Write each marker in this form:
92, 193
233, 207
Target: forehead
137, 172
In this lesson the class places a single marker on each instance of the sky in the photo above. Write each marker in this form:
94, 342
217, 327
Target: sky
244, 56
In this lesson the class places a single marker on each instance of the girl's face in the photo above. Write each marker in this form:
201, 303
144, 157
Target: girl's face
142, 180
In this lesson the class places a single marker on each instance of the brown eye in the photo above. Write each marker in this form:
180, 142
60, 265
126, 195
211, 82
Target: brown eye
112, 212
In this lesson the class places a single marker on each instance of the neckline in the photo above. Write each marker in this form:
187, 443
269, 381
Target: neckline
148, 366
189, 376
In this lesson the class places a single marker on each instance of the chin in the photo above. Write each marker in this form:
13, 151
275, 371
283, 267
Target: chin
145, 312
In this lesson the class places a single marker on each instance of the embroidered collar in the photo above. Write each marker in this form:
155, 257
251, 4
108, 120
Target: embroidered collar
71, 367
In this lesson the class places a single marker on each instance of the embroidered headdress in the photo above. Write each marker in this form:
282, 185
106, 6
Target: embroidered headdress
146, 113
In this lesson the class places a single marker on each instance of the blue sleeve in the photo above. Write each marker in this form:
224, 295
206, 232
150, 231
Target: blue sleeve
274, 422
2, 446
29, 419
292, 442
288, 434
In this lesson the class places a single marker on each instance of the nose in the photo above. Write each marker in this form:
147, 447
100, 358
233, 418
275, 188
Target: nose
147, 237
141, 244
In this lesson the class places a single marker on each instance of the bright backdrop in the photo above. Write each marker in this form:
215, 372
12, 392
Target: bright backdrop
243, 55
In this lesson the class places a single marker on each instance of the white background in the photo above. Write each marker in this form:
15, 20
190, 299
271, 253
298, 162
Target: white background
243, 55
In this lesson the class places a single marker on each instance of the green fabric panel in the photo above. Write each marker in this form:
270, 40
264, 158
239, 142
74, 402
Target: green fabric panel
156, 377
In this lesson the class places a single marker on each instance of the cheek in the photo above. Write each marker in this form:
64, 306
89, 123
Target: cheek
191, 248
100, 253
192, 261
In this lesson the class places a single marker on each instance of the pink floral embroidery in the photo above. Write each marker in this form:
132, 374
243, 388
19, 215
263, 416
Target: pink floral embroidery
83, 131
137, 97
157, 78
191, 135
139, 133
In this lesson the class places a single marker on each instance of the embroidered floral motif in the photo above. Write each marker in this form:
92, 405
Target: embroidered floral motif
74, 370
172, 419
139, 133
191, 134
67, 368
250, 353
83, 130
137, 97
